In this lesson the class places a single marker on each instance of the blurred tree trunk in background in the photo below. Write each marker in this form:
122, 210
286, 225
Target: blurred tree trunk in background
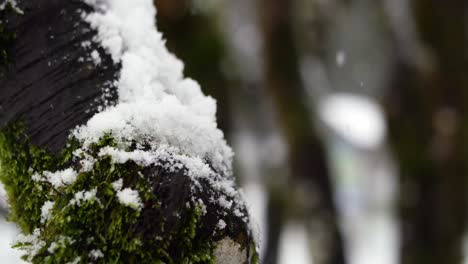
428, 122
306, 152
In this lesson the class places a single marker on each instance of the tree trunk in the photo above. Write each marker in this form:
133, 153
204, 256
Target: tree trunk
427, 109
55, 76
306, 153
45, 82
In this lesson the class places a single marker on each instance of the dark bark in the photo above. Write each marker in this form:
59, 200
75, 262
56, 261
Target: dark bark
306, 152
45, 83
427, 115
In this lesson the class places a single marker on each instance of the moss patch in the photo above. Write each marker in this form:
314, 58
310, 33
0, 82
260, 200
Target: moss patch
75, 232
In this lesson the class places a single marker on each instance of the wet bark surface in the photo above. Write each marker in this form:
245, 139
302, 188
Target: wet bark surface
50, 82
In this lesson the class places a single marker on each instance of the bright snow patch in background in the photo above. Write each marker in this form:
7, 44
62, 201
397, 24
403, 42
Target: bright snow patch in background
340, 58
294, 245
375, 242
356, 118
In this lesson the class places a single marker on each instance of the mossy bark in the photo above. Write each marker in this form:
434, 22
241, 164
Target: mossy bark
50, 87
171, 228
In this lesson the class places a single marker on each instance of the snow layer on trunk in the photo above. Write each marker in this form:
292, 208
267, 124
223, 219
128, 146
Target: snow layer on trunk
12, 3
157, 105
166, 115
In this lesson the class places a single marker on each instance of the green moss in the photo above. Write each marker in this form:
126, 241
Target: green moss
255, 258
18, 160
102, 223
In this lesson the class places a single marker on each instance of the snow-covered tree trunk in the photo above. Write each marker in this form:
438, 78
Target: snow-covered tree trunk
107, 152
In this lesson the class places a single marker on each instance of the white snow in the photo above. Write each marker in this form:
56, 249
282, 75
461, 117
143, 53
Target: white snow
156, 103
152, 77
356, 118
96, 57
221, 224
86, 44
96, 254
83, 196
45, 210
224, 202
75, 261
131, 198
35, 244
197, 168
86, 161
61, 242
13, 4
61, 178
53, 246
117, 185
202, 205
157, 107
3, 196
8, 233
